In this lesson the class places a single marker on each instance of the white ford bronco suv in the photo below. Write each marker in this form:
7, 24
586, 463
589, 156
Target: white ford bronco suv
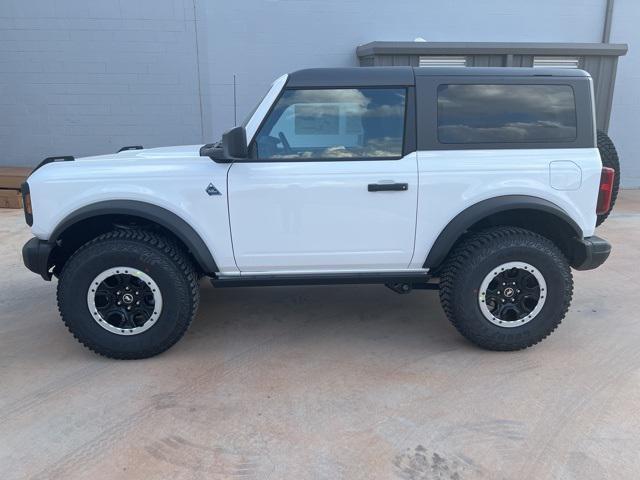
483, 183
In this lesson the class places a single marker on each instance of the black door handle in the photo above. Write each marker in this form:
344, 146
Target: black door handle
387, 187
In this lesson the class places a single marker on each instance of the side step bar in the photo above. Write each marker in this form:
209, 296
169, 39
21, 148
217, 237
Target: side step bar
410, 278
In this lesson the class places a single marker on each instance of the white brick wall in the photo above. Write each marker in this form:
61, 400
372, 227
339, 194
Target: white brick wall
84, 77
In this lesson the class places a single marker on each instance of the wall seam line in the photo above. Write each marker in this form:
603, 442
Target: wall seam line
195, 26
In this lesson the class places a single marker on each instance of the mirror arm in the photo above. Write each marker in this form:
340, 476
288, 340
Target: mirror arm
214, 152
232, 147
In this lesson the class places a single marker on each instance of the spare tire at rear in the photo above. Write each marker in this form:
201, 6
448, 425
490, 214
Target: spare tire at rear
609, 157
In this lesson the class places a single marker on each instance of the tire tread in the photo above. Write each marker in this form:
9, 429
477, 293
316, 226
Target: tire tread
459, 259
166, 247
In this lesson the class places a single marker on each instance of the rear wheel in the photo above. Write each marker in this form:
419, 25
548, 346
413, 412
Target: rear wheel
506, 288
609, 157
128, 294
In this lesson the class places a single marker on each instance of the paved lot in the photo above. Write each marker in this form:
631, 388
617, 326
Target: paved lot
352, 382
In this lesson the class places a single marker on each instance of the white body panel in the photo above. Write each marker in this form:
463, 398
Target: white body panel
319, 216
173, 178
308, 217
454, 180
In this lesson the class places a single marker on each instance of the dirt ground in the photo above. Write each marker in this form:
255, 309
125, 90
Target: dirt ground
340, 382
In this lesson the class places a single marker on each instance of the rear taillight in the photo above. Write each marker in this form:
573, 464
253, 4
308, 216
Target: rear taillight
606, 190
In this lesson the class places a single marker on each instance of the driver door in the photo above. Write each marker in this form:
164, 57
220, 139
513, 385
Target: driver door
331, 184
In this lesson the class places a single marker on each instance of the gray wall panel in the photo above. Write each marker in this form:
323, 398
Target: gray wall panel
625, 112
84, 78
402, 60
485, 61
603, 72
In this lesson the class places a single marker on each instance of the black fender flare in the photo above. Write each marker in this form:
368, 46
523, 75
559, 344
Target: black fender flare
148, 211
473, 214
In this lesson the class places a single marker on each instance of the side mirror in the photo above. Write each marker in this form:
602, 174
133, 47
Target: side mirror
234, 143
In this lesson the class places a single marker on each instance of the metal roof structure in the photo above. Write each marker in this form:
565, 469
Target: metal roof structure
600, 60
490, 48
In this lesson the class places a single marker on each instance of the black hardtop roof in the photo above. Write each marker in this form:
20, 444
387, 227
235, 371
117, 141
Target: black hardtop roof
405, 76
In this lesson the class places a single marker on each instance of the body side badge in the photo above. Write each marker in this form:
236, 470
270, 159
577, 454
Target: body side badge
212, 190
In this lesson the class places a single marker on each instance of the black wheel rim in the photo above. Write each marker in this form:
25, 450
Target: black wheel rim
124, 300
512, 294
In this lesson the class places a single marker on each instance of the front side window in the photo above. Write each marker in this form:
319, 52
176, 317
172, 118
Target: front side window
506, 114
334, 123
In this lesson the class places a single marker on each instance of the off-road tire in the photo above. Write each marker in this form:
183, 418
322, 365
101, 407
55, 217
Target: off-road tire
474, 257
609, 157
161, 259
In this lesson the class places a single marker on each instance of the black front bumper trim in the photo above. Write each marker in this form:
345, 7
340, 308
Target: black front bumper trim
589, 252
36, 254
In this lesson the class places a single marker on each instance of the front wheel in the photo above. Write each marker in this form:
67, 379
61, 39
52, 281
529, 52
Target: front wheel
506, 288
128, 294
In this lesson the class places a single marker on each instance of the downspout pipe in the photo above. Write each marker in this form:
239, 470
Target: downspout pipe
606, 30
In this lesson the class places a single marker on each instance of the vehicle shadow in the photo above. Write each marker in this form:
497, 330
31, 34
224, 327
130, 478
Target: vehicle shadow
370, 315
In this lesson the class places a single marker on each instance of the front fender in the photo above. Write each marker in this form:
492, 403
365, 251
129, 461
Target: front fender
157, 189
153, 213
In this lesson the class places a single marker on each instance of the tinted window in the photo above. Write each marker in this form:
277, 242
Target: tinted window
506, 113
334, 123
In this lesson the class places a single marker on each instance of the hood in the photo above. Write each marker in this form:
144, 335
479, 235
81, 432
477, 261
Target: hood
156, 153
161, 156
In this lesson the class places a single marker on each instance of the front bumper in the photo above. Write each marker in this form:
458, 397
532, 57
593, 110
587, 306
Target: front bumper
36, 255
589, 252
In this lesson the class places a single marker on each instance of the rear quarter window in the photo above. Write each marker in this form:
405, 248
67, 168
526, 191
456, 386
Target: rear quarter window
499, 113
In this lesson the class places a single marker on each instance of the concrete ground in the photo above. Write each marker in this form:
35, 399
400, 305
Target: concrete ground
344, 382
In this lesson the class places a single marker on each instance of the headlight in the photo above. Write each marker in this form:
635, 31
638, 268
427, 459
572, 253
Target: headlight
26, 203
